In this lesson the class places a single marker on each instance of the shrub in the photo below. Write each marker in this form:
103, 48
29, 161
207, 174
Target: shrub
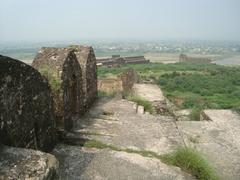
53, 80
142, 102
106, 94
192, 162
195, 114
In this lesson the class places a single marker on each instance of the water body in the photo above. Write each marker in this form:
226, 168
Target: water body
235, 60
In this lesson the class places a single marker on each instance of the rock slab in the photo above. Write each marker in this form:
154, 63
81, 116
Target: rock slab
20, 163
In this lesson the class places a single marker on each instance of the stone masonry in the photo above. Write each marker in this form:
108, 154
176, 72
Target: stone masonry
87, 60
26, 107
61, 68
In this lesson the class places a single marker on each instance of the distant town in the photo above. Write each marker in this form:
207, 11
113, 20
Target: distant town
154, 51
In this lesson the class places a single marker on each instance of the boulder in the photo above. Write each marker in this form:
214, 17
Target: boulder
20, 163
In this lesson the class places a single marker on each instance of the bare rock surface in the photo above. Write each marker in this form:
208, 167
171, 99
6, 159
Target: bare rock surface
122, 128
19, 163
85, 163
150, 92
128, 129
218, 139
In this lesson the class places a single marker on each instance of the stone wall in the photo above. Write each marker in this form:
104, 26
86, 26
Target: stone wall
117, 60
185, 58
87, 60
110, 85
129, 77
122, 83
61, 68
26, 107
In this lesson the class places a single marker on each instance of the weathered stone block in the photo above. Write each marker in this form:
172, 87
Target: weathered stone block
20, 163
26, 111
87, 60
61, 68
129, 77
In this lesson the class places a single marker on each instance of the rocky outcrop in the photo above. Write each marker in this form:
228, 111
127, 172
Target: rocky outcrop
217, 137
19, 163
64, 74
26, 111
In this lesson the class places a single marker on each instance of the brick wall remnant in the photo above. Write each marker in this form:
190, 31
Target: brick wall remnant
61, 68
26, 107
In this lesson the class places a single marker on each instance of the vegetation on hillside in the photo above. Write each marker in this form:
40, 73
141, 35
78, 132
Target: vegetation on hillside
218, 89
189, 85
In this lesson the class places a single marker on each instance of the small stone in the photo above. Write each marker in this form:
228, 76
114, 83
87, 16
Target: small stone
140, 110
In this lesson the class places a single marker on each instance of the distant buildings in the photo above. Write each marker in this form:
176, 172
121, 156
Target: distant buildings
117, 59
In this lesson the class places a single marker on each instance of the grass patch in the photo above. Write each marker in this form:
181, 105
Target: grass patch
53, 80
192, 162
142, 102
187, 159
195, 114
100, 145
106, 94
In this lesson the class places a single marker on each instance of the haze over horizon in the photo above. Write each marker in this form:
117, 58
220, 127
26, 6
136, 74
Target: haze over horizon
54, 20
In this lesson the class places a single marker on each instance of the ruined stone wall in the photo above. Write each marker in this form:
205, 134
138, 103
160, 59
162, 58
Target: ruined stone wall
129, 77
26, 108
87, 60
185, 58
110, 85
122, 60
61, 68
122, 83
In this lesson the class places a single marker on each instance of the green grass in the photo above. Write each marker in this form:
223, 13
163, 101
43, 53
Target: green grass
204, 86
195, 114
106, 94
191, 161
53, 80
142, 102
187, 159
220, 90
100, 145
157, 69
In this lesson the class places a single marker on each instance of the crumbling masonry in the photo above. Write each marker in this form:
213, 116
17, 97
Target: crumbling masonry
61, 68
87, 60
26, 111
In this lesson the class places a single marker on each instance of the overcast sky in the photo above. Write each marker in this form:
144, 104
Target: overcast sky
48, 20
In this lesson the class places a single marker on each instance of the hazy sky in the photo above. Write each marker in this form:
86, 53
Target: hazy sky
47, 20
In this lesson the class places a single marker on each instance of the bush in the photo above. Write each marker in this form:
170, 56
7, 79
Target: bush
195, 114
53, 80
142, 102
106, 94
192, 162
